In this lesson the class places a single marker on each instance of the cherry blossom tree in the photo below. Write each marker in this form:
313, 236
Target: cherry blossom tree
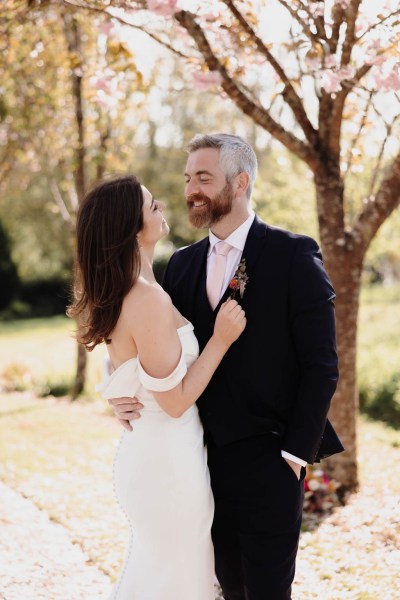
326, 85
327, 90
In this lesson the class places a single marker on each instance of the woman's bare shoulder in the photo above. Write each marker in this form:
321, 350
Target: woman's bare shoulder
146, 301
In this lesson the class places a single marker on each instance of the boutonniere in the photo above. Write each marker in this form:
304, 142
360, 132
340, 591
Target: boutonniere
239, 280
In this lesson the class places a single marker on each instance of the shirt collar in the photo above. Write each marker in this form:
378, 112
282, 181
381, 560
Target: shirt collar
237, 238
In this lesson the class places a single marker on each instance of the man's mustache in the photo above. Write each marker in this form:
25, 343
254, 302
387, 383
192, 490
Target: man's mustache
197, 197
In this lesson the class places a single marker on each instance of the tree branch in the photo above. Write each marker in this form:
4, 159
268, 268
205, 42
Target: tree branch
350, 39
338, 18
289, 94
338, 107
55, 190
389, 16
356, 137
113, 17
246, 105
305, 27
377, 209
389, 129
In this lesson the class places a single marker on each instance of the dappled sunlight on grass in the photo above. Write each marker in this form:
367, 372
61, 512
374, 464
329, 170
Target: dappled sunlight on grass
46, 350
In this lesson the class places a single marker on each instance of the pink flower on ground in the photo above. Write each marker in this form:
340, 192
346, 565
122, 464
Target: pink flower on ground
206, 80
163, 8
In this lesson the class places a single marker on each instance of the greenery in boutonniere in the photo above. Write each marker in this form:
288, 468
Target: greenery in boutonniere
239, 280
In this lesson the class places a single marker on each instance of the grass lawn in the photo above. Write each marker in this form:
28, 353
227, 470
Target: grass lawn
36, 352
378, 357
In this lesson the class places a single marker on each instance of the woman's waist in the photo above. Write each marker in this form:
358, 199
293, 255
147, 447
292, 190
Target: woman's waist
152, 410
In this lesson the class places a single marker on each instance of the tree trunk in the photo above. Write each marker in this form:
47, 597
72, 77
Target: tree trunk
344, 408
80, 377
343, 260
73, 39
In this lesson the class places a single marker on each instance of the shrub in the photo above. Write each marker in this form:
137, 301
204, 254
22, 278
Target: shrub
9, 280
383, 402
15, 377
39, 298
55, 386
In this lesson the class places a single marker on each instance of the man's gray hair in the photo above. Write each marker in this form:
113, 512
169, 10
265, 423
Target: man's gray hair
235, 154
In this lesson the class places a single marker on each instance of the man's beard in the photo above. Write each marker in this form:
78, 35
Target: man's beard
213, 210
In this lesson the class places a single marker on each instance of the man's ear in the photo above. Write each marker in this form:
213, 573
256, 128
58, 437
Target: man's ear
242, 182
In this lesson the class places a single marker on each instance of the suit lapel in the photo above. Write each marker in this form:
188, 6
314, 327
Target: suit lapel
196, 274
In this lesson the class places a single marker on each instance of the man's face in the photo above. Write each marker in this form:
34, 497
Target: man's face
208, 195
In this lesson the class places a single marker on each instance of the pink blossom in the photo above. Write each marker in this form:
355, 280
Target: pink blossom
346, 72
102, 84
206, 80
388, 79
317, 9
106, 27
330, 81
163, 8
343, 3
330, 61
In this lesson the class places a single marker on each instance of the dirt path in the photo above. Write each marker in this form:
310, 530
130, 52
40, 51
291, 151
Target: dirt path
38, 559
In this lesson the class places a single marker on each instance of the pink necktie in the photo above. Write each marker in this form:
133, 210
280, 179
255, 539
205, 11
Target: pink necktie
216, 274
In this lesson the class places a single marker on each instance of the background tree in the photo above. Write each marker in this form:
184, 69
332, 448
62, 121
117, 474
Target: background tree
326, 89
317, 93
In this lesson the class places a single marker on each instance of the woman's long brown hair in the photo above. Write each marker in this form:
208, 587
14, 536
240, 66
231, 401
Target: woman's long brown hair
108, 259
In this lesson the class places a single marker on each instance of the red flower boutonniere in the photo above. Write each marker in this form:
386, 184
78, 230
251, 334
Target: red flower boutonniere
239, 280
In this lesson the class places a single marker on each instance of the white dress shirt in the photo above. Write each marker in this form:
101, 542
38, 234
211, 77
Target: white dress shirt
237, 240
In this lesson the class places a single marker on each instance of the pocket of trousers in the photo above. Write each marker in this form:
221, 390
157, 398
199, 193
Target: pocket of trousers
293, 474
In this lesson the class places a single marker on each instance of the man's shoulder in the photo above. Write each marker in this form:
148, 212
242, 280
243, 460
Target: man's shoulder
186, 251
285, 238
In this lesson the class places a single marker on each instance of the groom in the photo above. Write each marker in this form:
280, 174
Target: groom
264, 411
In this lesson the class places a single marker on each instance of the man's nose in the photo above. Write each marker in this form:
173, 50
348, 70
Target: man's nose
191, 187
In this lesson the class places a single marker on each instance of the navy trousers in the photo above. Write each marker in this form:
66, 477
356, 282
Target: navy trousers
258, 511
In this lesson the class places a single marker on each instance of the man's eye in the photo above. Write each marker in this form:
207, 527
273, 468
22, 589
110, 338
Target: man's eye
204, 181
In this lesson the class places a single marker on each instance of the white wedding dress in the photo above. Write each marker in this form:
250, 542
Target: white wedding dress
162, 483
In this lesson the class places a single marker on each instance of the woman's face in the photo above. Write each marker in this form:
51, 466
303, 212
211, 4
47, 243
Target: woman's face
154, 225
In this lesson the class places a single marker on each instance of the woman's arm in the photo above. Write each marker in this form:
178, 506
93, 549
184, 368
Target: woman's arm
159, 351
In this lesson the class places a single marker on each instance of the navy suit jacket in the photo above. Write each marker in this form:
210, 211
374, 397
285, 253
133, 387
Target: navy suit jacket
281, 374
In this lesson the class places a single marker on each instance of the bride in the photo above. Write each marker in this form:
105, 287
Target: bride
160, 470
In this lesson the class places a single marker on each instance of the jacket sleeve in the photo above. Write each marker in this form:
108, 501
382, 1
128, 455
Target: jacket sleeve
312, 323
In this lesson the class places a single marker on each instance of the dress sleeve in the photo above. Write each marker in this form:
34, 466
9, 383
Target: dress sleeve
167, 383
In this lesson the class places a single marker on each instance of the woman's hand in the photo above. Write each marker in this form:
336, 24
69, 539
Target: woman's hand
230, 322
